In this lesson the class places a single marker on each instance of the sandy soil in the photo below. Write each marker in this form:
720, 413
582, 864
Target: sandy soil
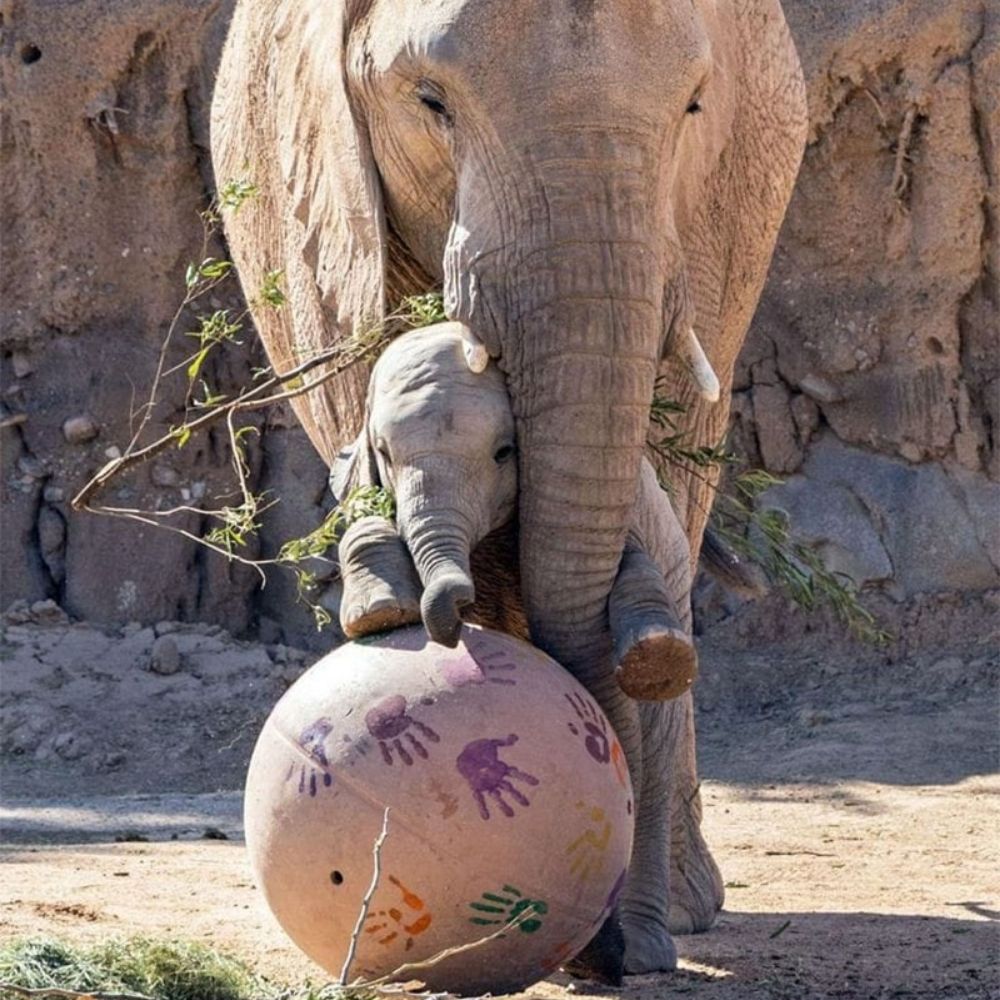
851, 801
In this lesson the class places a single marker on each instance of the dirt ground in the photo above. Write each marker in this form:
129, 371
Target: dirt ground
850, 798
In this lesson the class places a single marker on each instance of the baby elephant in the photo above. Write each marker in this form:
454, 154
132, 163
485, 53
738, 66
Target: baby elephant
439, 434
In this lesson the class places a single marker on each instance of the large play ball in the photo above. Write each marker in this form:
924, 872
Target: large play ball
510, 811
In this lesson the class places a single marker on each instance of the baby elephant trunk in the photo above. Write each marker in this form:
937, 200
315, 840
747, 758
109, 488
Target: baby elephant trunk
439, 534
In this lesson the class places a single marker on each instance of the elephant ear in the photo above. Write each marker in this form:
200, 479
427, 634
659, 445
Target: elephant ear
354, 466
752, 131
282, 121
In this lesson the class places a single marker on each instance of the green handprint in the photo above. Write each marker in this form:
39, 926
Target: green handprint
509, 907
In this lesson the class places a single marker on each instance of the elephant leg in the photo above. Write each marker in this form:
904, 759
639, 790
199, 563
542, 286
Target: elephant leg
654, 654
381, 588
604, 958
696, 888
646, 901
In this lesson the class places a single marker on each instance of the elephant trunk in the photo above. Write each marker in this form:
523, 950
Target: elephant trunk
586, 288
581, 431
439, 532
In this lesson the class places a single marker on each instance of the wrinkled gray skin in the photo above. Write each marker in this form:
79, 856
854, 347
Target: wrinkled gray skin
586, 179
441, 438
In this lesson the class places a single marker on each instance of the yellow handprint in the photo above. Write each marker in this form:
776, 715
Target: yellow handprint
587, 850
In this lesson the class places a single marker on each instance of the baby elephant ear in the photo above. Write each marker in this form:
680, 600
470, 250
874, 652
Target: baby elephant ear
354, 466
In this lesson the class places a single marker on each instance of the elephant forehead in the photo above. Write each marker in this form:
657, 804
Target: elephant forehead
476, 39
433, 412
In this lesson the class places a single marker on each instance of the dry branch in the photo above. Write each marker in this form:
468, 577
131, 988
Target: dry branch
51, 993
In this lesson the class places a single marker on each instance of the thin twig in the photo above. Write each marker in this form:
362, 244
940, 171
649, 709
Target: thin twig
51, 993
251, 399
14, 420
366, 902
457, 949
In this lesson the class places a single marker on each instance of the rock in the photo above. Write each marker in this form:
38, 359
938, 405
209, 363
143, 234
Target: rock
17, 613
779, 448
69, 746
21, 364
879, 519
32, 467
166, 628
806, 416
162, 474
80, 429
113, 760
54, 494
830, 519
819, 389
165, 658
48, 613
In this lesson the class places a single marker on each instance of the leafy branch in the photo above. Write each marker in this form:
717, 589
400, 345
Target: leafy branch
761, 536
234, 526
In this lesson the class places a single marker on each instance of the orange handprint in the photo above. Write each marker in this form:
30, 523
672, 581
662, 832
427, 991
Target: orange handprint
388, 924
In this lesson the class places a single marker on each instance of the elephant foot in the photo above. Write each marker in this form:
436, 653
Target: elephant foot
697, 891
603, 960
648, 946
696, 896
658, 664
654, 655
381, 589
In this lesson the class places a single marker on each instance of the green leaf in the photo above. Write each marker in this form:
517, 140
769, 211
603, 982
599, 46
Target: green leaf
196, 362
270, 292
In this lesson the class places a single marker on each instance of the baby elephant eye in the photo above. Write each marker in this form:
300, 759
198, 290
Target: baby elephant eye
502, 454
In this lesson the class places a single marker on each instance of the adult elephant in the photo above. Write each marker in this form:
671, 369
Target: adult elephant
587, 180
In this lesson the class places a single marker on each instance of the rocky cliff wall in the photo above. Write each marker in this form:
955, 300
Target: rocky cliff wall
871, 377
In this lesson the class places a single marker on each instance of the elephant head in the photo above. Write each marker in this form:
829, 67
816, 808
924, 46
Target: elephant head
587, 181
441, 437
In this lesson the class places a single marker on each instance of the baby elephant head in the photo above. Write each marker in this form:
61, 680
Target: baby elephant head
439, 433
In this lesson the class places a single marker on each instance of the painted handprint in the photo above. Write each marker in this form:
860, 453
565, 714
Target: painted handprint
481, 666
388, 924
397, 730
493, 654
480, 764
507, 905
592, 725
587, 851
312, 740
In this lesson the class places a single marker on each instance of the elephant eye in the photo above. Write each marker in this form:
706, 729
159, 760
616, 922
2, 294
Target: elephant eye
694, 107
430, 98
503, 453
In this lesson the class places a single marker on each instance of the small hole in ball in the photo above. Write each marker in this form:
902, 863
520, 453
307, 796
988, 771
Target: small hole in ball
337, 878
30, 54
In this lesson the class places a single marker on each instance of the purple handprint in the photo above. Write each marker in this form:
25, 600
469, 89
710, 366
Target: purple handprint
312, 740
466, 668
596, 729
480, 764
389, 723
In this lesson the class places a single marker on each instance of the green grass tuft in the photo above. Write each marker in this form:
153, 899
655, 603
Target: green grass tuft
164, 970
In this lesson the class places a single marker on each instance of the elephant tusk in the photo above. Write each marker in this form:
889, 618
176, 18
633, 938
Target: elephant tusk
476, 355
698, 365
